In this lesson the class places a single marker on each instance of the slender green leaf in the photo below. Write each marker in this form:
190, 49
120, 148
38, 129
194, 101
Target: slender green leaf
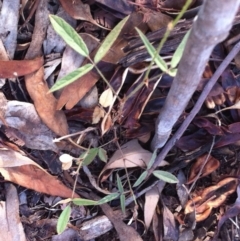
154, 155
71, 77
102, 154
92, 153
119, 184
88, 202
151, 50
109, 40
122, 202
108, 198
165, 176
140, 179
84, 202
172, 72
69, 35
179, 51
63, 219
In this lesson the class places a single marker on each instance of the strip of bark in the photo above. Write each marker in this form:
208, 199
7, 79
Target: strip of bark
212, 26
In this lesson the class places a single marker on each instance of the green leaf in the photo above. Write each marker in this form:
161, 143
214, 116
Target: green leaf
119, 184
92, 153
172, 72
109, 40
69, 35
71, 77
151, 50
108, 198
88, 202
165, 176
140, 179
102, 154
154, 155
179, 51
63, 219
84, 202
122, 202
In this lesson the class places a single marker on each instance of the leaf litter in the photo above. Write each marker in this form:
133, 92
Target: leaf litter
123, 110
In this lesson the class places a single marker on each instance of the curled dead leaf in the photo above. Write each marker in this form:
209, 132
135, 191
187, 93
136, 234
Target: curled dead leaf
211, 197
23, 171
130, 155
106, 123
98, 113
211, 165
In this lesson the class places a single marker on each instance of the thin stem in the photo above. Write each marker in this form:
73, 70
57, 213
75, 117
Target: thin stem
105, 80
169, 29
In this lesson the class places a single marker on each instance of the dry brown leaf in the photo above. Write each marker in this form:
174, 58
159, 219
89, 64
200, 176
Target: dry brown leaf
130, 155
11, 226
158, 20
45, 103
37, 87
23, 171
151, 200
98, 113
106, 98
15, 68
78, 10
211, 165
74, 92
106, 123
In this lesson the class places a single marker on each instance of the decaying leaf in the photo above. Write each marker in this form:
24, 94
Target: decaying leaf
151, 200
37, 87
23, 122
11, 226
9, 25
45, 103
158, 20
106, 98
78, 10
16, 68
169, 225
98, 113
116, 53
211, 165
23, 171
106, 124
74, 92
130, 155
230, 213
211, 197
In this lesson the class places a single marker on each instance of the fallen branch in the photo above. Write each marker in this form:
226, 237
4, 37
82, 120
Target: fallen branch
212, 26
